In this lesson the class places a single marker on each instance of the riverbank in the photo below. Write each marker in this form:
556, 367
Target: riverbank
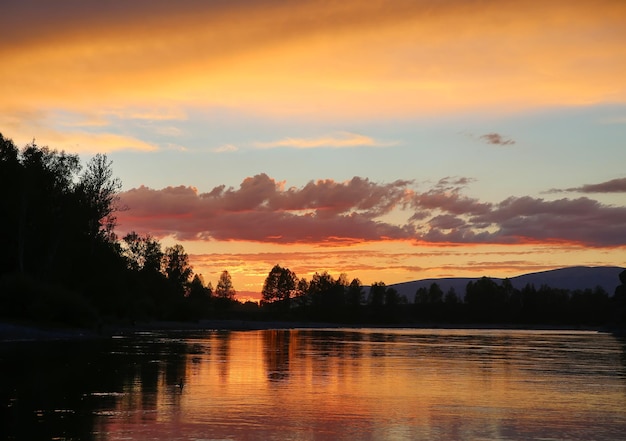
23, 331
13, 331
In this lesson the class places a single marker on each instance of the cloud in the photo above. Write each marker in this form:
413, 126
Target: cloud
454, 182
312, 58
612, 186
449, 201
225, 148
496, 139
76, 132
614, 120
338, 140
169, 131
331, 213
261, 210
583, 221
84, 142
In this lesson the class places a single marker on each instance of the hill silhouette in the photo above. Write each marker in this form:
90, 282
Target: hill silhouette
570, 278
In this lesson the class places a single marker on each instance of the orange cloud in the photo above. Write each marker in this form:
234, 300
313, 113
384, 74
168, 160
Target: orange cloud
315, 58
339, 140
80, 141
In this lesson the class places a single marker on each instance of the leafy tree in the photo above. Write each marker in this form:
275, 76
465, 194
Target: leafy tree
224, 288
618, 302
435, 294
301, 298
177, 268
421, 295
451, 297
553, 304
143, 253
279, 286
98, 191
485, 299
327, 296
10, 199
355, 294
47, 232
46, 211
197, 288
199, 297
342, 280
392, 297
590, 306
377, 294
321, 283
153, 256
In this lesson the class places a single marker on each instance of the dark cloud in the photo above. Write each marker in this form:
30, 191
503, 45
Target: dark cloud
450, 201
612, 186
496, 139
583, 221
517, 220
327, 212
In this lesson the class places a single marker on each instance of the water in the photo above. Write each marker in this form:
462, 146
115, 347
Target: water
366, 384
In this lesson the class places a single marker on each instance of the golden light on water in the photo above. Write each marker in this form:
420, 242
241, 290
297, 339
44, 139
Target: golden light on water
383, 383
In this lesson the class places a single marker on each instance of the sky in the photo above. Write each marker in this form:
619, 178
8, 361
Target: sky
390, 141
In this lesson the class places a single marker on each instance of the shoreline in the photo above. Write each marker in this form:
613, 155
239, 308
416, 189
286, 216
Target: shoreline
33, 332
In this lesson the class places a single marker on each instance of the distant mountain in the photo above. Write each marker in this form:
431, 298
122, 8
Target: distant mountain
575, 277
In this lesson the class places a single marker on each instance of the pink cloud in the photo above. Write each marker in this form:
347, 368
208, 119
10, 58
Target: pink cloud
446, 196
581, 220
260, 210
326, 212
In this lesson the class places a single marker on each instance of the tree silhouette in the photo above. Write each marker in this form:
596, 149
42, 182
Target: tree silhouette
224, 288
377, 294
177, 269
619, 301
278, 287
355, 294
199, 297
302, 298
485, 299
451, 298
98, 191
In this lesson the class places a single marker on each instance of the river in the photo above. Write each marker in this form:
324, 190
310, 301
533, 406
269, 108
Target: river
318, 384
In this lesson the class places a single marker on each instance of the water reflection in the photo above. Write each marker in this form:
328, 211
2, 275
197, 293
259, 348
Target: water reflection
318, 385
277, 352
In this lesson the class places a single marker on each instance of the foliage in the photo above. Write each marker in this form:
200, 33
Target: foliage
61, 260
279, 287
224, 290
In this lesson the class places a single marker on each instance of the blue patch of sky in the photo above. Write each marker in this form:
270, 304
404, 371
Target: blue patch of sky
558, 148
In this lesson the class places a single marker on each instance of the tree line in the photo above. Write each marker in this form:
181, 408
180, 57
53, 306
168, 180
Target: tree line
484, 301
62, 262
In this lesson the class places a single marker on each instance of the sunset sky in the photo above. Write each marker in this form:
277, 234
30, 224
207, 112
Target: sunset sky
390, 141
